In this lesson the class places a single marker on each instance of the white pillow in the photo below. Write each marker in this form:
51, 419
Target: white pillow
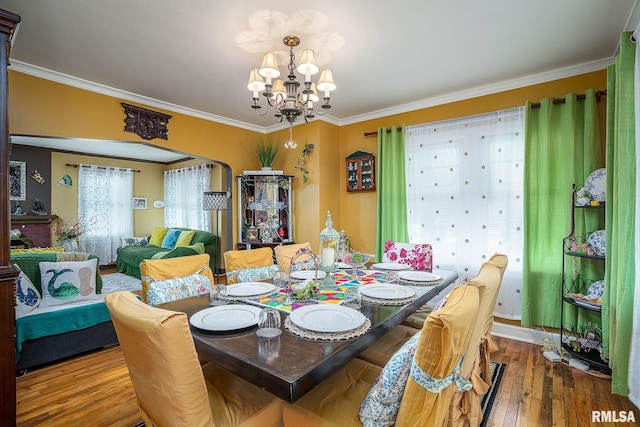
67, 282
133, 241
27, 296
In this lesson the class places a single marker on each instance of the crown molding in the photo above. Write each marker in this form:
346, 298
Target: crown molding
68, 80
533, 79
483, 90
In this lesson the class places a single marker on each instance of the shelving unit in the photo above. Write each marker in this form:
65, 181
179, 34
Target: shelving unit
361, 172
582, 340
264, 210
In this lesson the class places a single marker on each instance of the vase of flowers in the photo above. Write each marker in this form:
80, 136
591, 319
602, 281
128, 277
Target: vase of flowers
67, 235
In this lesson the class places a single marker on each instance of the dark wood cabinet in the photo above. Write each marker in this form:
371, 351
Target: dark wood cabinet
361, 172
8, 23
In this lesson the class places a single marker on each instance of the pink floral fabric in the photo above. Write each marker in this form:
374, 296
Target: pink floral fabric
418, 255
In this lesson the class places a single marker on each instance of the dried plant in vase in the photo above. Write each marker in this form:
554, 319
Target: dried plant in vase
266, 151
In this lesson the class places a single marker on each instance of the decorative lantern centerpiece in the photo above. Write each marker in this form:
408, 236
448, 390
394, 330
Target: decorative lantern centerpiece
329, 239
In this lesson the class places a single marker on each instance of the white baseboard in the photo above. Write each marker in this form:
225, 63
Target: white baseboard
519, 333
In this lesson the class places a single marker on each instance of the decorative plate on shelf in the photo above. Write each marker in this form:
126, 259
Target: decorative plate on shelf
585, 301
598, 242
596, 184
596, 290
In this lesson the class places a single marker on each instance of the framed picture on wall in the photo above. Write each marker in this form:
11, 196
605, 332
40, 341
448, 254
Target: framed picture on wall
139, 203
17, 180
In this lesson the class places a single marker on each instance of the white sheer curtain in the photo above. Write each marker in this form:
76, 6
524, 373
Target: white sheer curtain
464, 195
104, 209
634, 374
183, 190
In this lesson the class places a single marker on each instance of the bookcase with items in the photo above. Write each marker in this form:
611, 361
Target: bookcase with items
361, 173
583, 264
264, 209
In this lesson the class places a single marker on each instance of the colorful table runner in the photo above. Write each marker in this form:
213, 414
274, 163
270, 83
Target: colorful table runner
343, 279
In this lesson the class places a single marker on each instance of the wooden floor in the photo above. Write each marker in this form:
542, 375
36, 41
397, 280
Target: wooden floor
94, 390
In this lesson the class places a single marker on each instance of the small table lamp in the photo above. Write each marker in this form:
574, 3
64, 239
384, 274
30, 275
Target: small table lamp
215, 201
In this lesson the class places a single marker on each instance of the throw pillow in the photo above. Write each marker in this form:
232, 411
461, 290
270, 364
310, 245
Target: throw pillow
170, 239
177, 288
27, 296
381, 404
158, 235
67, 282
256, 274
133, 241
184, 238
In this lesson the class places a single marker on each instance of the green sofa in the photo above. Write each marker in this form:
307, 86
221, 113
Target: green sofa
129, 257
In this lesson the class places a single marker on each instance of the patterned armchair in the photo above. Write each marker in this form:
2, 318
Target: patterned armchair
418, 255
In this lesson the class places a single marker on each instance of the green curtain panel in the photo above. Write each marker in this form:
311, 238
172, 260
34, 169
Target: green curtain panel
562, 147
617, 304
391, 210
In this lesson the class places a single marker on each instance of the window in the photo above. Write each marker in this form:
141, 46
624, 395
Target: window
464, 195
183, 192
104, 209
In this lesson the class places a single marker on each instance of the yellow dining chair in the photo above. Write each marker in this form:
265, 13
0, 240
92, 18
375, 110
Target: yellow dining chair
171, 387
465, 407
254, 265
284, 253
154, 270
425, 397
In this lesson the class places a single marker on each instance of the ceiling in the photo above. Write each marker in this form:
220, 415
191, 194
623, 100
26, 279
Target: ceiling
194, 56
103, 148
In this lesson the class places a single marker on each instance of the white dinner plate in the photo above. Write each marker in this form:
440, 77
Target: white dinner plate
249, 289
419, 276
344, 265
307, 274
390, 266
226, 317
386, 291
327, 318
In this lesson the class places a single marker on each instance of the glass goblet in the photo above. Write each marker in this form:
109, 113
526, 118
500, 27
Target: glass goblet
218, 295
281, 281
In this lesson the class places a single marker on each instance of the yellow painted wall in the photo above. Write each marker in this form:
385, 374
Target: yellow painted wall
41, 107
358, 210
146, 183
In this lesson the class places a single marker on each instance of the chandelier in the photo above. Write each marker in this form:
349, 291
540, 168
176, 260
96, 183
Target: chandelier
285, 95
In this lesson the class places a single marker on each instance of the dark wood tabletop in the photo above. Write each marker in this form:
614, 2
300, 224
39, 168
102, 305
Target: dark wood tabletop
288, 366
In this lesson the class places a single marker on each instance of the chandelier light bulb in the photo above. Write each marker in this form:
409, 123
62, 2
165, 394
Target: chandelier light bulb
269, 68
307, 65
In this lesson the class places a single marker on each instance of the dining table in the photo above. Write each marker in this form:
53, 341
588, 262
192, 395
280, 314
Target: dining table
289, 365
